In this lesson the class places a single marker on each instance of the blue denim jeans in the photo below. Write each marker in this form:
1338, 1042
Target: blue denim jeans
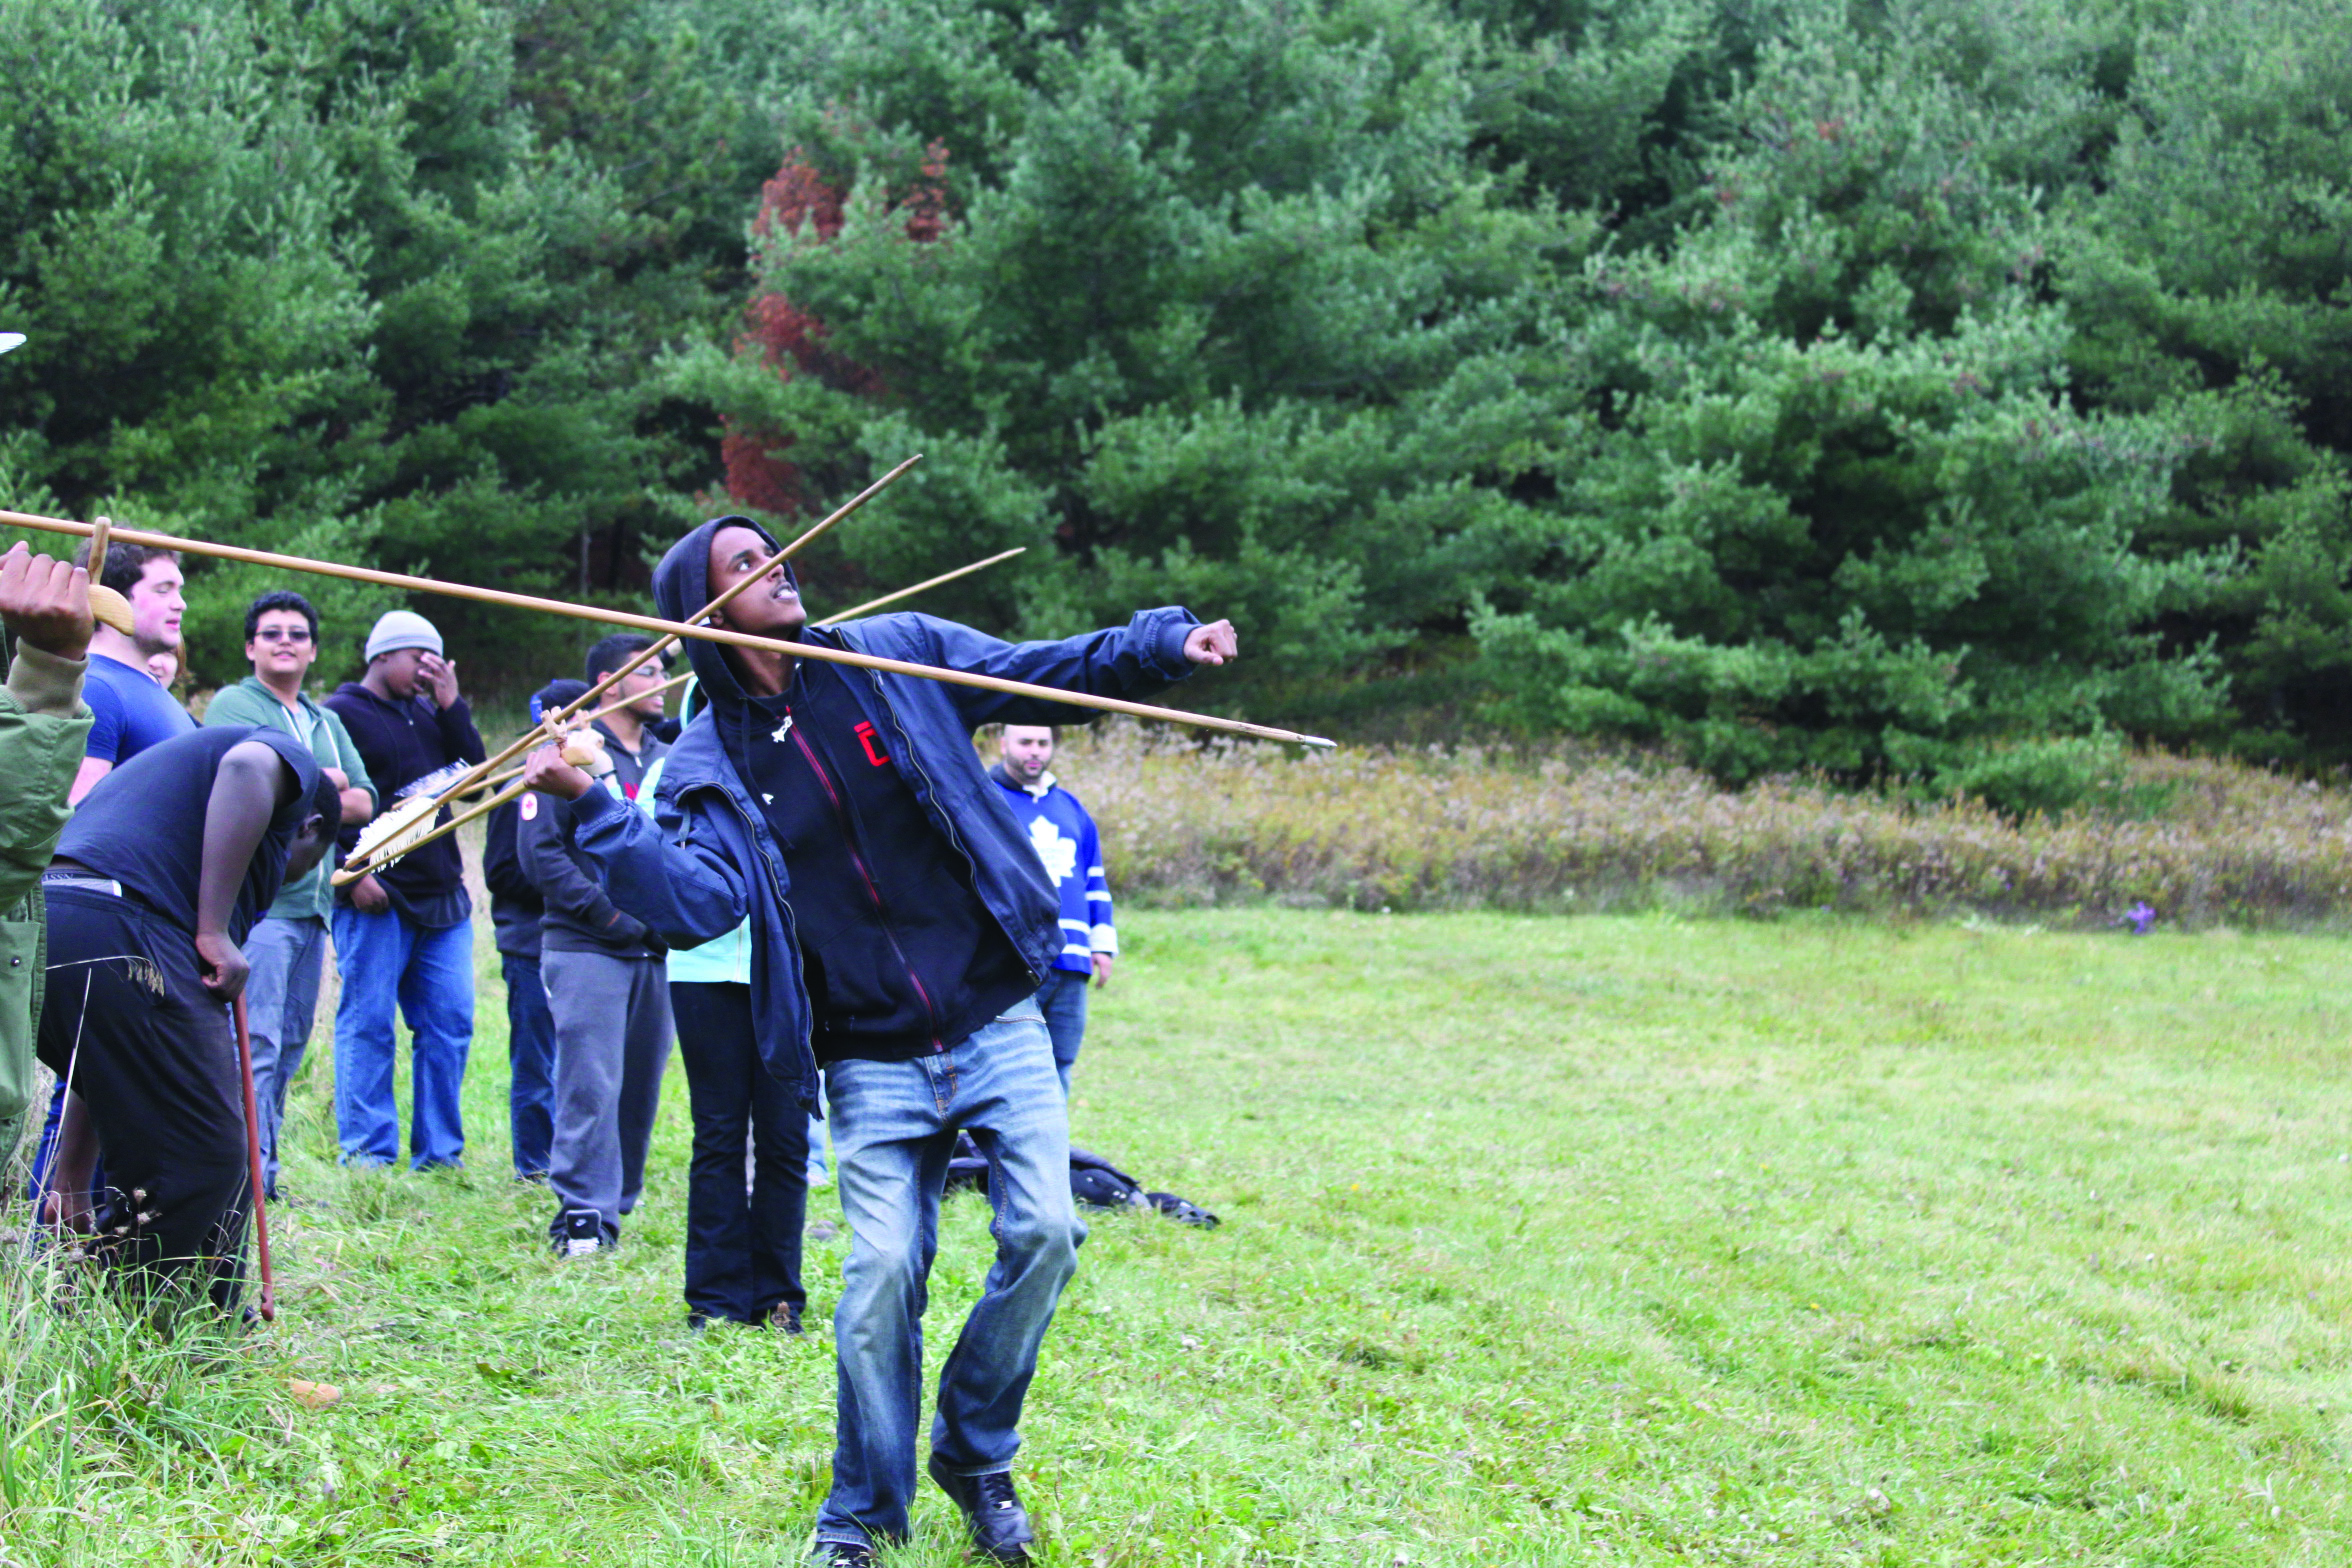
1062, 999
45, 1152
388, 960
530, 1061
742, 1248
894, 1127
281, 1001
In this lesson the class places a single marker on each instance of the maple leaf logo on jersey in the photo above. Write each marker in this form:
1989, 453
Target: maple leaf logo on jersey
1060, 854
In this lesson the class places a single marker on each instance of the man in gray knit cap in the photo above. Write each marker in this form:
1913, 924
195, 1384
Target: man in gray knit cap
404, 936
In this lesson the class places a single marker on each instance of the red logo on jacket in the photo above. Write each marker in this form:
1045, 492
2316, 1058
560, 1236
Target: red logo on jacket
874, 753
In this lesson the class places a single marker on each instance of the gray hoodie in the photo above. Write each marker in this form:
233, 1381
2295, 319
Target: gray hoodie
579, 918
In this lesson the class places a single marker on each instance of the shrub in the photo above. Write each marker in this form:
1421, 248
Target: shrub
2202, 841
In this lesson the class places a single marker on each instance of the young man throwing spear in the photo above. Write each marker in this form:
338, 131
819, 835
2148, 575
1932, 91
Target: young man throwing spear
900, 924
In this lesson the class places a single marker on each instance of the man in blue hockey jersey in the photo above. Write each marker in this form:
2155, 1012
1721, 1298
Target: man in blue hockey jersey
1064, 837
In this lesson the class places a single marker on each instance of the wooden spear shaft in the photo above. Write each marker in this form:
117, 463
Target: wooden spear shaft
472, 778
679, 629
351, 874
867, 661
401, 580
552, 724
605, 712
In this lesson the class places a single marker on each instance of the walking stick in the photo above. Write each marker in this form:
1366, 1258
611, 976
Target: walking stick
269, 1284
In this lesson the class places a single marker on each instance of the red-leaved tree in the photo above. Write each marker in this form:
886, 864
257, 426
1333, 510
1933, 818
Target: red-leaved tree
797, 203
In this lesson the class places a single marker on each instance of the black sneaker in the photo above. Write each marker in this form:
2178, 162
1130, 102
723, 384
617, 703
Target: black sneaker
842, 1554
579, 1234
999, 1524
784, 1318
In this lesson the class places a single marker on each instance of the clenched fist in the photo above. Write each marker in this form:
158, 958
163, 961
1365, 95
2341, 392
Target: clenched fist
45, 602
1212, 644
547, 772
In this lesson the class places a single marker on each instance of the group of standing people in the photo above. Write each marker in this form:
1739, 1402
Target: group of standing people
814, 889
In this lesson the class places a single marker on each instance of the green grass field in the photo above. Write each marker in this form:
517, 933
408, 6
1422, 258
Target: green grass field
1547, 1241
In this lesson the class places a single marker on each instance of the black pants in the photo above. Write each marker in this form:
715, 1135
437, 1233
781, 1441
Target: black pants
154, 1057
742, 1251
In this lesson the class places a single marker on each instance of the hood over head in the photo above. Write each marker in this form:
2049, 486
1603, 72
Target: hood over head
681, 586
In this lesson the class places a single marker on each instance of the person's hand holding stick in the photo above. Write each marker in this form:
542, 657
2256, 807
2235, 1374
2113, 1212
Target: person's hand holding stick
46, 603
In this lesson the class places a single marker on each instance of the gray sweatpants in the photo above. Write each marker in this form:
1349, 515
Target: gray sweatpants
612, 1041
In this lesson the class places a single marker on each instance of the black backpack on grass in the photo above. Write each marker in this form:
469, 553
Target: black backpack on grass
1094, 1181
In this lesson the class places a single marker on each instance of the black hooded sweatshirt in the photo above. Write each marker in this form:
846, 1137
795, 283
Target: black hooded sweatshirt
901, 956
401, 742
515, 904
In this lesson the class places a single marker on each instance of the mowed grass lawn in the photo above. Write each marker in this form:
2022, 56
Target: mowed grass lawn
1546, 1241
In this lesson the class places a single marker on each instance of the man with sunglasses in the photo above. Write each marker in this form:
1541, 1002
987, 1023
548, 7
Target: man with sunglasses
287, 948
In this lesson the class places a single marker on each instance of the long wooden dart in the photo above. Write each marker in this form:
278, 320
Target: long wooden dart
474, 778
406, 845
409, 842
867, 661
497, 596
674, 630
1141, 710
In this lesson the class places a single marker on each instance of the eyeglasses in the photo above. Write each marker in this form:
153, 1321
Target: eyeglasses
283, 634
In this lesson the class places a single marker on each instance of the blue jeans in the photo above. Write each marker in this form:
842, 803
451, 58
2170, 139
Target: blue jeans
389, 960
894, 1127
1063, 1001
530, 1060
281, 1002
45, 1152
742, 1249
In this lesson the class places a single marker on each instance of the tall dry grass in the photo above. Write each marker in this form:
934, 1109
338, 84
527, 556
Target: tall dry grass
2200, 841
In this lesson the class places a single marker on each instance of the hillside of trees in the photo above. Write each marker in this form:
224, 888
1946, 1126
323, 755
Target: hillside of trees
1959, 391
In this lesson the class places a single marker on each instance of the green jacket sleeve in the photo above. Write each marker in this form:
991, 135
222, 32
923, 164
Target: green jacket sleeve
42, 727
353, 768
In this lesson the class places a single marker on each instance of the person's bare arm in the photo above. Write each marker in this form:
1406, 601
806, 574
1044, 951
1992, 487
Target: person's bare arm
251, 783
86, 779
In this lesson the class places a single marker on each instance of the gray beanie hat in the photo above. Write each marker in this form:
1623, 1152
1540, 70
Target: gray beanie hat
398, 629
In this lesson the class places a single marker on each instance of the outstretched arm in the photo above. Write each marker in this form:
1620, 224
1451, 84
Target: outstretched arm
668, 871
1151, 652
250, 785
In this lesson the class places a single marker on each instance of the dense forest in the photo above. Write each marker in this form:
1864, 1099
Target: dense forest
1958, 391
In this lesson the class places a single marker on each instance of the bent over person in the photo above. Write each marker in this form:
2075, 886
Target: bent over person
163, 870
900, 927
